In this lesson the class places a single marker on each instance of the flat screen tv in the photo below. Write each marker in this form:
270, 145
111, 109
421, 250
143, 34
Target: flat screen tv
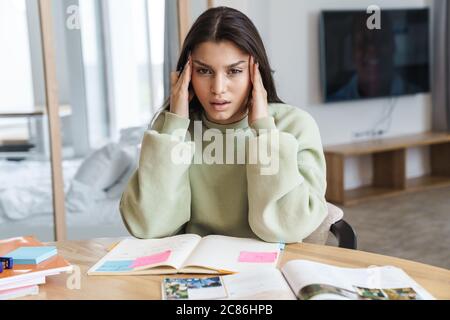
358, 62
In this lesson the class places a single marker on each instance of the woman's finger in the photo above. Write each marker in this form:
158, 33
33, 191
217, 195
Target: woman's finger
258, 83
252, 69
186, 75
255, 75
174, 78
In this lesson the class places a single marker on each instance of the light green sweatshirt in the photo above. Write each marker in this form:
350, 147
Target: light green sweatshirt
166, 197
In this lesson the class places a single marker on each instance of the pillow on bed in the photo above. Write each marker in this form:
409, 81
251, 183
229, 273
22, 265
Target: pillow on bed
81, 198
130, 140
98, 172
103, 168
117, 189
132, 136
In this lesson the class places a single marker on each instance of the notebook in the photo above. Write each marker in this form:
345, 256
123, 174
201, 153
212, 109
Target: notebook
51, 266
187, 253
31, 255
19, 292
23, 283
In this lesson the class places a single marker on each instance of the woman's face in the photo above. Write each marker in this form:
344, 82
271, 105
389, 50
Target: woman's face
221, 74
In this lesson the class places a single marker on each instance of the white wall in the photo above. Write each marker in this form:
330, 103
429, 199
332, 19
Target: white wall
197, 7
290, 30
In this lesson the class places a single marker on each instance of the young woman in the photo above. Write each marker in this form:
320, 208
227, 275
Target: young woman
225, 89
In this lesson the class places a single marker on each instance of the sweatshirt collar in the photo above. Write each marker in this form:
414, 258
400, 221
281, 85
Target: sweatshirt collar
241, 124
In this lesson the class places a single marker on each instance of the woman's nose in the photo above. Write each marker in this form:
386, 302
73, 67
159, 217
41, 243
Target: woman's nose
218, 84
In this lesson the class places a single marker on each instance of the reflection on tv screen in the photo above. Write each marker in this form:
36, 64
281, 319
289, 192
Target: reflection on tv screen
360, 63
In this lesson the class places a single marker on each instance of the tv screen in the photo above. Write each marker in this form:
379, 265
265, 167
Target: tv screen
358, 62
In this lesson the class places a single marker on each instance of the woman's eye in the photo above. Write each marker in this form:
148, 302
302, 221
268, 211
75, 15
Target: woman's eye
235, 71
203, 71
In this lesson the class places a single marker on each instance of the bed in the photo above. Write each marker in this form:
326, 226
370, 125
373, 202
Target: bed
92, 186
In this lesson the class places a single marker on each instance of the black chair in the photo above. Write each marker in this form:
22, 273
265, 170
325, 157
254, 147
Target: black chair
344, 234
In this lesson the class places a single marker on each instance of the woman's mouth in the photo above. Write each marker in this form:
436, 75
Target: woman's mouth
219, 106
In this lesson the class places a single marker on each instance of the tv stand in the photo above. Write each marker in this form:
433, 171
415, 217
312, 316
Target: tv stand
389, 167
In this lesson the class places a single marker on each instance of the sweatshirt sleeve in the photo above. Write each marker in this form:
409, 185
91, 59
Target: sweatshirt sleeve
287, 202
157, 200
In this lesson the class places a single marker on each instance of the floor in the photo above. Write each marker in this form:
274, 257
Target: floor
414, 226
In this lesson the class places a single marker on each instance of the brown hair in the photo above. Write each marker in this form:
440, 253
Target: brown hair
227, 24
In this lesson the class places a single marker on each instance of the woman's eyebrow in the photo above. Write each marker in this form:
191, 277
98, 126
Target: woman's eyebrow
230, 66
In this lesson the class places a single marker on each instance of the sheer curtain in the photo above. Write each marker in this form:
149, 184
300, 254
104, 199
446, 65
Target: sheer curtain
128, 65
123, 55
171, 42
16, 81
441, 65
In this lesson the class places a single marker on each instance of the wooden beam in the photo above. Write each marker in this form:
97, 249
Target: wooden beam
184, 20
52, 107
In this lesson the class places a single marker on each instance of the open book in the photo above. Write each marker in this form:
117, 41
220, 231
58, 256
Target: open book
300, 279
187, 253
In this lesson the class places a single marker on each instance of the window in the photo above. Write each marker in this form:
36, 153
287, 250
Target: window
15, 65
15, 78
94, 72
123, 58
156, 14
136, 49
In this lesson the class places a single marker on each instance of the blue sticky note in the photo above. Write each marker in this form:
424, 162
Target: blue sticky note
32, 255
116, 265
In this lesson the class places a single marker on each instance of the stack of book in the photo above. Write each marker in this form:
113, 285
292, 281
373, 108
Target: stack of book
24, 265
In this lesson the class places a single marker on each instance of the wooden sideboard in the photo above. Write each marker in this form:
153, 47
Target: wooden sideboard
389, 167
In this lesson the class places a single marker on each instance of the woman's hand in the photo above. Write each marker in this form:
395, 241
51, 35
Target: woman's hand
180, 95
258, 106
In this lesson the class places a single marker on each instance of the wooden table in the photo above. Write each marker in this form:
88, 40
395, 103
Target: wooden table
86, 253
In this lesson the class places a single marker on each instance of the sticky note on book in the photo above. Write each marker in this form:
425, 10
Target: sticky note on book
153, 259
257, 257
32, 255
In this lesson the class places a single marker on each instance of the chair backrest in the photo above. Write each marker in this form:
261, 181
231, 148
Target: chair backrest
339, 228
345, 234
320, 235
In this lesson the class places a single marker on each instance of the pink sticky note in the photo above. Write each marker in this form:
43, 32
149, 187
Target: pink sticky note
257, 257
153, 259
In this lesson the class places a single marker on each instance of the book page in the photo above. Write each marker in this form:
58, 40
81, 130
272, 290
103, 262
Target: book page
343, 283
137, 256
266, 284
230, 254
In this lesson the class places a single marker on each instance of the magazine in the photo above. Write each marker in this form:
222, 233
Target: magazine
300, 279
